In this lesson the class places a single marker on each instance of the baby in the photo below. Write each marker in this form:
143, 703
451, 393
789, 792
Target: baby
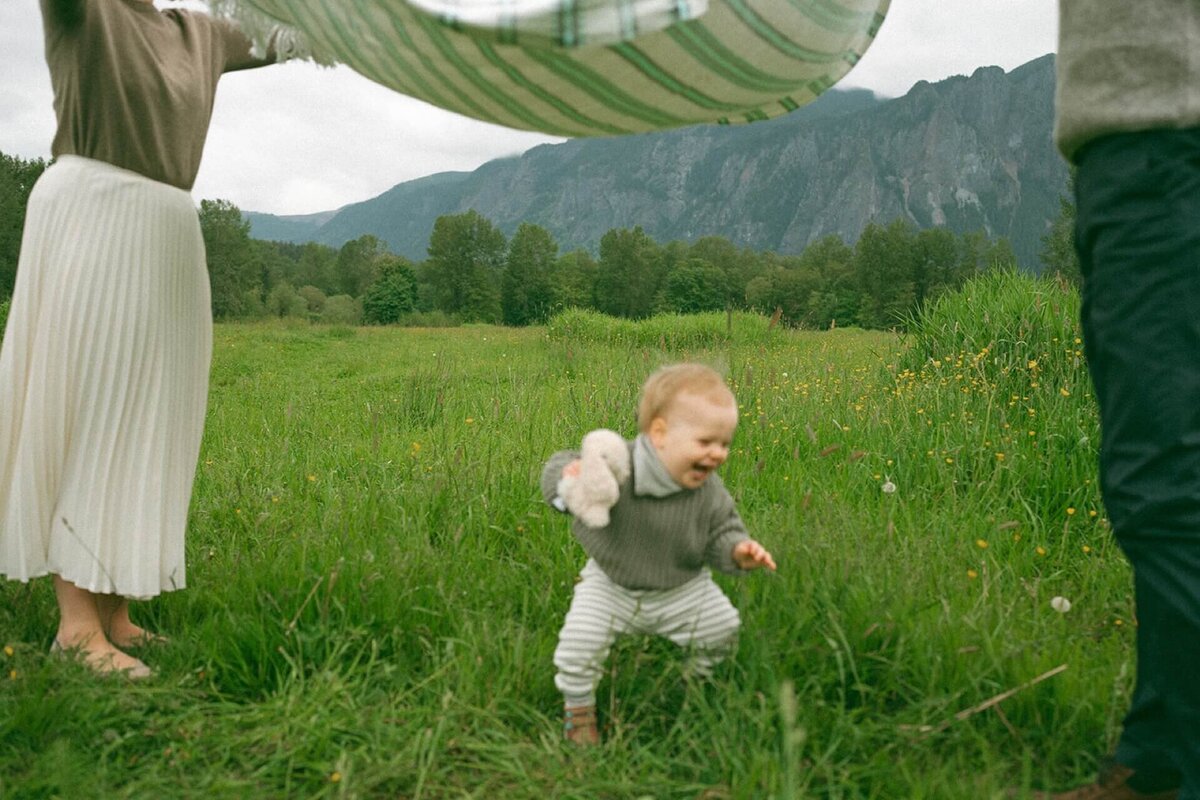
648, 569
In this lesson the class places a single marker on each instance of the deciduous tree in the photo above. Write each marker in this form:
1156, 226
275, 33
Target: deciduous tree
575, 281
342, 309
233, 266
527, 287
627, 278
392, 295
314, 298
694, 286
284, 301
317, 266
358, 264
466, 254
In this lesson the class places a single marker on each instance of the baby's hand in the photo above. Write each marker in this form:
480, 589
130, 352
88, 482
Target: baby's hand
749, 554
566, 482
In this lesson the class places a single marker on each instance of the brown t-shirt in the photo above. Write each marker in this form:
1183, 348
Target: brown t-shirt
134, 86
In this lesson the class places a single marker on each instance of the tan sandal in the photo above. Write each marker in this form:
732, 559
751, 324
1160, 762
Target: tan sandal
579, 725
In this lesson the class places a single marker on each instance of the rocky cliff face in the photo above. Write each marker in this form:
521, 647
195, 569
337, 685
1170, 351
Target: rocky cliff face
968, 153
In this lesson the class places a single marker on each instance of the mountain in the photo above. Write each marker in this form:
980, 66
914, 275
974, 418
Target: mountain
968, 153
294, 228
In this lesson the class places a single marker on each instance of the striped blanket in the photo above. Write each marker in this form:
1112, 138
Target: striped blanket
585, 67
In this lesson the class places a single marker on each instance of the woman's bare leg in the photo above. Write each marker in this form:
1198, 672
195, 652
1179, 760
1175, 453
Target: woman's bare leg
122, 631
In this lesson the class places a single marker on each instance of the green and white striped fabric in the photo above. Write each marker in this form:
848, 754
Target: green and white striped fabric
742, 60
564, 23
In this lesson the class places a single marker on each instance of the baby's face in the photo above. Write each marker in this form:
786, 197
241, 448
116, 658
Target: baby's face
692, 438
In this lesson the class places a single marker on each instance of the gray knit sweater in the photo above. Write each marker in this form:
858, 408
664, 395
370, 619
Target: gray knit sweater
658, 542
1125, 66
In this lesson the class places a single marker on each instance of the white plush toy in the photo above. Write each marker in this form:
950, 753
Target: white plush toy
603, 467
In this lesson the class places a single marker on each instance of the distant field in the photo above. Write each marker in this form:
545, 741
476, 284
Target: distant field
375, 586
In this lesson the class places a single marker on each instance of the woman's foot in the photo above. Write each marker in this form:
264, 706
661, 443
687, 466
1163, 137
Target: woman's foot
84, 616
101, 657
579, 725
129, 635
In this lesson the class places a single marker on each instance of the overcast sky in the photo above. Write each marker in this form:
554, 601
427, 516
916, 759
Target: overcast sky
297, 139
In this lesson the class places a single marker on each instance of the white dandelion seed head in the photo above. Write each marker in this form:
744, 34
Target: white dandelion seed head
888, 487
1060, 604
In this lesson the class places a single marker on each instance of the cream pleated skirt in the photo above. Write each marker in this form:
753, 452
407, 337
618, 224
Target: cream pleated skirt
103, 381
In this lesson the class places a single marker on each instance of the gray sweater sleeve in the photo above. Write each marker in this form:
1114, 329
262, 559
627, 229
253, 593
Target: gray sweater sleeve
552, 472
726, 531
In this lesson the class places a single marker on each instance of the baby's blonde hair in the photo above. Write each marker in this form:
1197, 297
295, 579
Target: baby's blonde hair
667, 383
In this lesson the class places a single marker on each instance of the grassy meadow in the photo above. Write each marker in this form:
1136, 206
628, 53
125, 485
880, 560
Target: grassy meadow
375, 586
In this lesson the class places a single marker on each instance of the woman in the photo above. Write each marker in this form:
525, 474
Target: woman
104, 366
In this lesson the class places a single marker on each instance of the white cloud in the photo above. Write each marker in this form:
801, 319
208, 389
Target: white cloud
934, 39
351, 138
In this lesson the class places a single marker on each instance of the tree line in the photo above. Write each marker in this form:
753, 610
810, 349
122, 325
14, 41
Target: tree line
17, 177
474, 273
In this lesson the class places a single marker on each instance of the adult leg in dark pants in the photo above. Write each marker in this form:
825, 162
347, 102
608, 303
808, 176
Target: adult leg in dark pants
1138, 237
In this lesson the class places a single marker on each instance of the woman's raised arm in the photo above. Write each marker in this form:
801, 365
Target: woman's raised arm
239, 48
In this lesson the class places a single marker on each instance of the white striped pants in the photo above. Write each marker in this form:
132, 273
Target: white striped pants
695, 615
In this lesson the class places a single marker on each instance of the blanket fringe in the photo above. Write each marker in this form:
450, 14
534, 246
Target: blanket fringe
267, 33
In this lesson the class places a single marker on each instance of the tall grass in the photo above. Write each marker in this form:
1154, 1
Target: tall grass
663, 331
428, 319
1010, 320
1003, 357
4, 304
375, 586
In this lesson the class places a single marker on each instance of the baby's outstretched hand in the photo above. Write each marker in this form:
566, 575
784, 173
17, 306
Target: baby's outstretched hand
749, 554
